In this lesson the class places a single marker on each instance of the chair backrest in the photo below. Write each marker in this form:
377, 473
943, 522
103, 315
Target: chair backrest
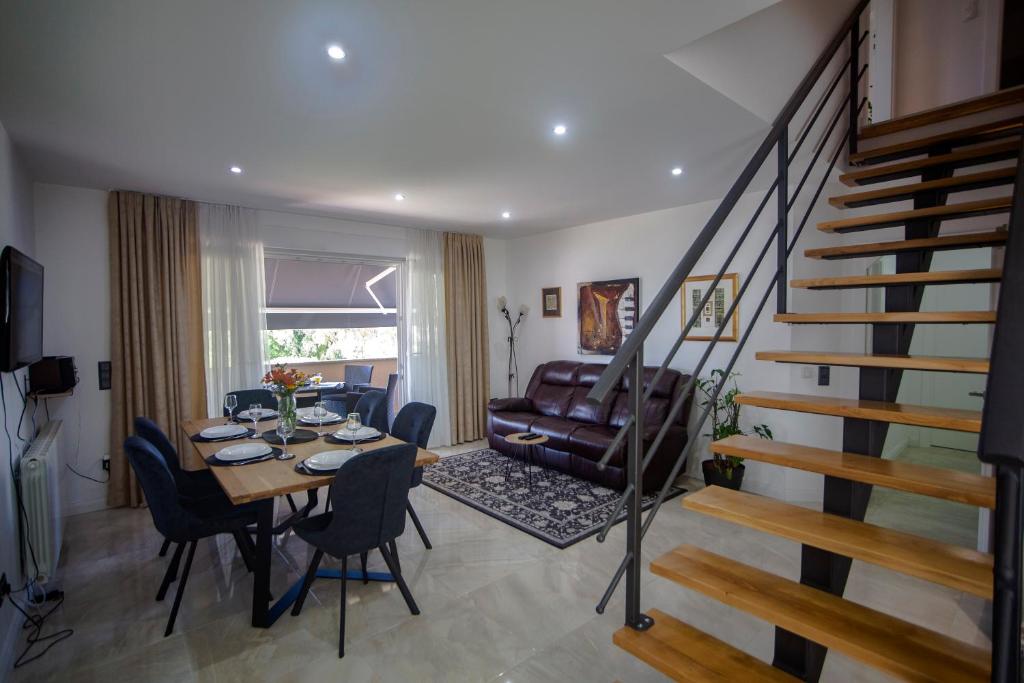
372, 410
414, 422
369, 497
157, 482
336, 403
246, 397
151, 432
358, 374
389, 398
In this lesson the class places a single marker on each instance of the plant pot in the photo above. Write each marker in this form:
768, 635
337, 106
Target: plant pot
716, 477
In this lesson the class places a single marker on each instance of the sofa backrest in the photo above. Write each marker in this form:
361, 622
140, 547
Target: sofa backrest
559, 389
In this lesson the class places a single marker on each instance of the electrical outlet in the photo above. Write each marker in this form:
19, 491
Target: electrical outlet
106, 463
823, 375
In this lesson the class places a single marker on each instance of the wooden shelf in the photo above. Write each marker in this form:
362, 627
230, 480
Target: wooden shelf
935, 482
981, 207
900, 648
973, 156
911, 317
940, 277
861, 360
994, 238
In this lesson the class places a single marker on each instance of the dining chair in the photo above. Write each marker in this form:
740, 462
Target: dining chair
389, 395
370, 406
357, 374
368, 499
180, 522
412, 425
246, 397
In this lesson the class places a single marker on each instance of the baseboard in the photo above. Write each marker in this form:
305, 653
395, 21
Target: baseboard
80, 507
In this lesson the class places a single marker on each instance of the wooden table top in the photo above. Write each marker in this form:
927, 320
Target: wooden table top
271, 478
517, 439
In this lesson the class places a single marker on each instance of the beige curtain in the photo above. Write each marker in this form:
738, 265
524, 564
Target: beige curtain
465, 300
156, 324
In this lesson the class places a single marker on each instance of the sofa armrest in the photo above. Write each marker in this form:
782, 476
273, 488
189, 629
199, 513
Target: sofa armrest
519, 405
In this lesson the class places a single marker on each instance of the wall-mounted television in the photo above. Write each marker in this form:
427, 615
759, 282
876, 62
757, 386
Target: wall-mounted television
21, 310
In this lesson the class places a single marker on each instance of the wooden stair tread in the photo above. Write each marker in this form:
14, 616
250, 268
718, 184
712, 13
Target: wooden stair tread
887, 643
909, 317
881, 411
959, 241
878, 360
964, 157
974, 105
935, 482
960, 568
946, 211
959, 183
931, 277
684, 653
1004, 127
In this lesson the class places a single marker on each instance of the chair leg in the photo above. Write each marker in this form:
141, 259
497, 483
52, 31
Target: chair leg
291, 502
172, 572
341, 617
165, 547
419, 527
362, 561
314, 564
396, 571
244, 548
181, 588
393, 547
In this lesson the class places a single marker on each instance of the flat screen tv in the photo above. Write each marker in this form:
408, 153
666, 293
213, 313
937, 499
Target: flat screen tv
21, 318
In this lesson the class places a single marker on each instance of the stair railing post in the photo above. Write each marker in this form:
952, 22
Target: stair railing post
634, 481
782, 237
1006, 603
854, 79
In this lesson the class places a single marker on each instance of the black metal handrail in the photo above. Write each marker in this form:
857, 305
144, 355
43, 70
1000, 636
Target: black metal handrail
629, 359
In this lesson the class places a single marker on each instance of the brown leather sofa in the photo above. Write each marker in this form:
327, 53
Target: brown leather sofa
578, 431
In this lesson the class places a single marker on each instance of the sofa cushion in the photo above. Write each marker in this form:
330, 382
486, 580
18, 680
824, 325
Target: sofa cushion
591, 442
582, 410
508, 422
560, 372
518, 405
552, 399
557, 429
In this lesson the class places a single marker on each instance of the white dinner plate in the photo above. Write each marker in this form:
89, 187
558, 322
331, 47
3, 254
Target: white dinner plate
363, 433
261, 413
326, 461
243, 451
306, 415
223, 431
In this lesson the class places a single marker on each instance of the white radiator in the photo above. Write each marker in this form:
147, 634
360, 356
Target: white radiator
42, 526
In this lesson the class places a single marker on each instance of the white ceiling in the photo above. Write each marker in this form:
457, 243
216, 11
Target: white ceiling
449, 101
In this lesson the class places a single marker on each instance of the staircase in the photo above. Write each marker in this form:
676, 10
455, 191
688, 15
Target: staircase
928, 167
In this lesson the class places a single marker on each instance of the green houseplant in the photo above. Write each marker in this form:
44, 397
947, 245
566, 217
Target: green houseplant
724, 470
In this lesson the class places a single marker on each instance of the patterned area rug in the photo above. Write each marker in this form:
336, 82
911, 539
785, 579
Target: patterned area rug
558, 508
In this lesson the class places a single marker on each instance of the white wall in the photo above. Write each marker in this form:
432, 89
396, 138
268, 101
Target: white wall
16, 229
648, 246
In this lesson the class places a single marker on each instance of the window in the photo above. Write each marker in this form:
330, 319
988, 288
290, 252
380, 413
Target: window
321, 310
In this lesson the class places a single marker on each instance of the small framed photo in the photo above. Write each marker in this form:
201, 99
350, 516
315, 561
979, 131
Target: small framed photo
551, 302
713, 312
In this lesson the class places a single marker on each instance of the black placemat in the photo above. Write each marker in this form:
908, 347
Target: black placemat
301, 468
212, 461
199, 438
300, 436
327, 423
330, 438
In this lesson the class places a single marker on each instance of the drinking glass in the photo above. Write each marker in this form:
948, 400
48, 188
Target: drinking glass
285, 428
320, 412
230, 403
255, 412
353, 425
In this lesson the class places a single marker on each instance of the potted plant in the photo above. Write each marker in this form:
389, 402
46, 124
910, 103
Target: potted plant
724, 470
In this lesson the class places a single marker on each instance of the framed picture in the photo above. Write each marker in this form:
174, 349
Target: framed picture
607, 313
551, 302
711, 315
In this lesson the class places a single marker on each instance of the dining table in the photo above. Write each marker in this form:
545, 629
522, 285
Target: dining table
261, 483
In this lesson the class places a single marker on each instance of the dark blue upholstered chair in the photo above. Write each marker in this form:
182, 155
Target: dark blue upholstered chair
389, 395
357, 374
370, 407
180, 522
368, 497
412, 425
246, 397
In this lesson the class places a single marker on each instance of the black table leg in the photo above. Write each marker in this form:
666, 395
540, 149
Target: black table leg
261, 577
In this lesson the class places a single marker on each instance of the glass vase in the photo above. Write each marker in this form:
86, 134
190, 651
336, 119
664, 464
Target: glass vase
286, 409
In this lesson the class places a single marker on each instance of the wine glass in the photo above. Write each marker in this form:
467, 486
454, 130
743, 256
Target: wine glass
352, 426
285, 428
319, 412
256, 412
230, 403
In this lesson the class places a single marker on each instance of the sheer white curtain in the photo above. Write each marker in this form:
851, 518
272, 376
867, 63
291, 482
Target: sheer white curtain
234, 296
427, 355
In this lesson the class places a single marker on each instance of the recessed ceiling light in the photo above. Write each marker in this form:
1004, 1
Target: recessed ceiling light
335, 52
506, 214
678, 170
399, 197
237, 170
559, 129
